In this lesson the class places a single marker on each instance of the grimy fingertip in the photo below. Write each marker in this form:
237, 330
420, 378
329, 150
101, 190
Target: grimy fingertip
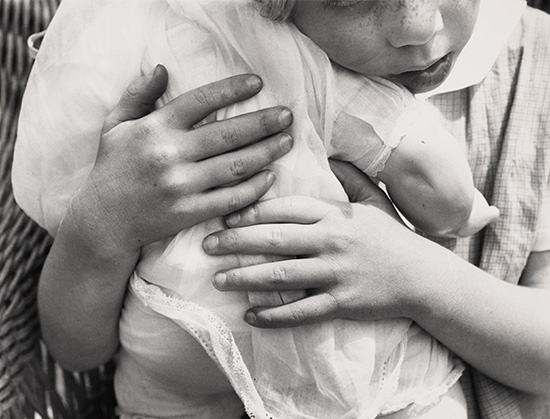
250, 318
254, 82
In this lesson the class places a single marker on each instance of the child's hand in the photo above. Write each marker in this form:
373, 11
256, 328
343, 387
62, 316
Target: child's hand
155, 175
354, 259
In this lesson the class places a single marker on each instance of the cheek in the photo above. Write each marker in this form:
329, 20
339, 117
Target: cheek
353, 47
336, 44
345, 37
462, 16
338, 48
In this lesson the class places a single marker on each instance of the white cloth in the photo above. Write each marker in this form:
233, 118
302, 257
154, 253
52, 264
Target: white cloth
89, 56
495, 22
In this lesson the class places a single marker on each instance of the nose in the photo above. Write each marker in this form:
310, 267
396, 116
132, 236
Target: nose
413, 22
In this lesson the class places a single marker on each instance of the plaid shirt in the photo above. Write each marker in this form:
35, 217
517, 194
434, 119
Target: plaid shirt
504, 124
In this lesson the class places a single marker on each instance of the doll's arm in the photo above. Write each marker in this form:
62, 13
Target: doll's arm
428, 178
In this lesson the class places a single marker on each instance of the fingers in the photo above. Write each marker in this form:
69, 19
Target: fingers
357, 185
191, 107
217, 138
286, 275
222, 201
288, 209
241, 164
139, 98
277, 239
312, 309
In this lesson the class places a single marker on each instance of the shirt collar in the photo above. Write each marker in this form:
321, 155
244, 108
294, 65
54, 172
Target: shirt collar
495, 22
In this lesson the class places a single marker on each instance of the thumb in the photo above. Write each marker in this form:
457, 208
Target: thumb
357, 185
139, 98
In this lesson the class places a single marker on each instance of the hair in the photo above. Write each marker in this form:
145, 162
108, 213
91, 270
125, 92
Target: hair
277, 10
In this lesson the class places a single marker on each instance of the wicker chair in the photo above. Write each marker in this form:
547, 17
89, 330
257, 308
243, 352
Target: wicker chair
31, 384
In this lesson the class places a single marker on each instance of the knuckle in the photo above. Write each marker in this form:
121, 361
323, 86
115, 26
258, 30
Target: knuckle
167, 154
150, 127
145, 129
297, 316
251, 214
162, 157
229, 133
234, 203
134, 94
237, 168
133, 88
340, 241
275, 237
169, 183
173, 184
278, 275
204, 96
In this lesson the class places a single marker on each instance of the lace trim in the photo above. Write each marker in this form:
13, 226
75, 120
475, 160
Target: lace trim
379, 162
429, 397
214, 336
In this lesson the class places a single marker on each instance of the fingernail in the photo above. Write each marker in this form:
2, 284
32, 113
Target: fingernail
154, 71
270, 178
233, 219
210, 243
250, 317
254, 82
219, 280
286, 142
285, 116
157, 69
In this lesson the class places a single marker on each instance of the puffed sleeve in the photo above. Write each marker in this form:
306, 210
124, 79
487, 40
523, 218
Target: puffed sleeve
91, 52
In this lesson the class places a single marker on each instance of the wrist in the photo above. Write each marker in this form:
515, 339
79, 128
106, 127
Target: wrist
426, 281
90, 232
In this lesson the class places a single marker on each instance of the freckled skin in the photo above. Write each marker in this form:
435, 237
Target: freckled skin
388, 37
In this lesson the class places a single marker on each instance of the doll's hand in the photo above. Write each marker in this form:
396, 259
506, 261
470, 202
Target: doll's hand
155, 175
355, 259
481, 215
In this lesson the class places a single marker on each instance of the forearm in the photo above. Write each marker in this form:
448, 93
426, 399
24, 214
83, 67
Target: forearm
79, 298
499, 328
362, 264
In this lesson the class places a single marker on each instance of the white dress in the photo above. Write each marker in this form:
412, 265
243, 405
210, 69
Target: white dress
185, 350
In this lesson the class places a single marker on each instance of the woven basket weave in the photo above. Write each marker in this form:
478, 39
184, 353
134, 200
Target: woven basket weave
31, 384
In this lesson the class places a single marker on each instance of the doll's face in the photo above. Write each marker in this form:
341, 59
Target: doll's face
412, 42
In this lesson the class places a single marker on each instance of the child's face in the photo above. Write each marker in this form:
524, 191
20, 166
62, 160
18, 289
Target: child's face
412, 42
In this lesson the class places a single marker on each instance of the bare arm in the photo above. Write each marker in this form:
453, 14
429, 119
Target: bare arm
501, 329
79, 298
154, 176
360, 262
